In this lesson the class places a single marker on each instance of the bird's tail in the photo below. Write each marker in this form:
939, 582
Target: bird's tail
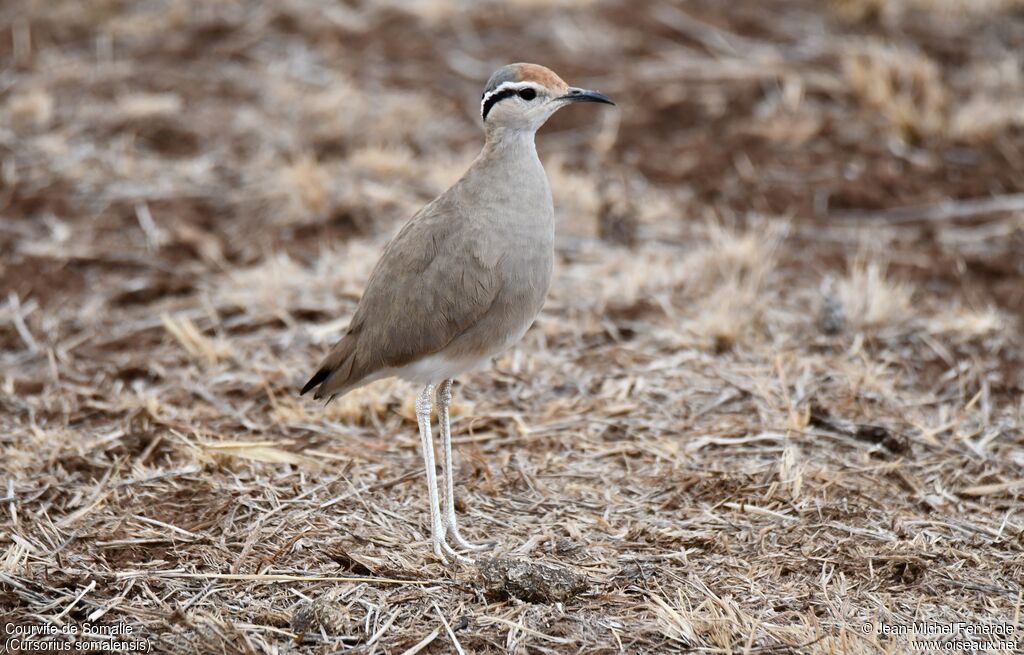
335, 372
315, 381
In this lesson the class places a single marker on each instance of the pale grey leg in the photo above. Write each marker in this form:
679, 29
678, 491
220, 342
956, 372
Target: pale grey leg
441, 547
444, 399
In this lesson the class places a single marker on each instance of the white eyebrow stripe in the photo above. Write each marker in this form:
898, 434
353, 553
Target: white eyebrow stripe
508, 85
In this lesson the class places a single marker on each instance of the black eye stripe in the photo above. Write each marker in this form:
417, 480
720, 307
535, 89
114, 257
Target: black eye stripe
497, 97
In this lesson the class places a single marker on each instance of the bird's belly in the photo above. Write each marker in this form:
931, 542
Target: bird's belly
509, 332
436, 368
457, 358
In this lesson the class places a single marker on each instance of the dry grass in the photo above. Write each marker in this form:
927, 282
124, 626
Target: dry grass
906, 87
791, 407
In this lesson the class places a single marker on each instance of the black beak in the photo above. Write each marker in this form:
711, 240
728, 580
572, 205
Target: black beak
585, 95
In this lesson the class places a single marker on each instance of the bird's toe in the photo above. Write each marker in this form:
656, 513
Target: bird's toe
469, 545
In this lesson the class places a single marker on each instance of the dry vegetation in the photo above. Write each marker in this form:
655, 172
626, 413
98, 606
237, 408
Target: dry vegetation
775, 393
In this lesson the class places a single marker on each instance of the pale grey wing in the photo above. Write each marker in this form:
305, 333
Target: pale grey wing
429, 287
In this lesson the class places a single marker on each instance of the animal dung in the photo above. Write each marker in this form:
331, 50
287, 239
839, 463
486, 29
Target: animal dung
320, 614
532, 582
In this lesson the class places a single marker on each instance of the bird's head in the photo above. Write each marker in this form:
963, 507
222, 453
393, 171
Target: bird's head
523, 96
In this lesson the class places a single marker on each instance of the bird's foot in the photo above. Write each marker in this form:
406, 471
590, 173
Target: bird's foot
464, 543
459, 557
444, 551
439, 554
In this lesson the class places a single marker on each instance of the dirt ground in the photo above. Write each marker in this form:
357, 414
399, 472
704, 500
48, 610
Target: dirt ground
773, 404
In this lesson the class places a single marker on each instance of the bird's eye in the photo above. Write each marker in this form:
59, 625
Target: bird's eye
527, 94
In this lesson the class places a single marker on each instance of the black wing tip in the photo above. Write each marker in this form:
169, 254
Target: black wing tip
315, 381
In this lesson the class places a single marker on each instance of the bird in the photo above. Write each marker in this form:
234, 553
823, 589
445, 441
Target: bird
463, 279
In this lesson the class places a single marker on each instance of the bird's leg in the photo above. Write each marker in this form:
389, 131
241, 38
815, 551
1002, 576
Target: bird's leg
444, 399
427, 442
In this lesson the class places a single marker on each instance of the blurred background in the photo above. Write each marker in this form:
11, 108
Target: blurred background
145, 142
793, 252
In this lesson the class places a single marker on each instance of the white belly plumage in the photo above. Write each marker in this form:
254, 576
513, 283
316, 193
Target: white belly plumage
441, 366
433, 369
